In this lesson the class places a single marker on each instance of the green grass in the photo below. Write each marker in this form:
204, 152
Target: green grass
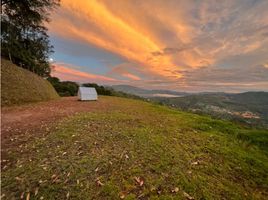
20, 86
175, 154
224, 106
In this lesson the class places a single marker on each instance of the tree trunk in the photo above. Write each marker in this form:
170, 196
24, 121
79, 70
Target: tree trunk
9, 55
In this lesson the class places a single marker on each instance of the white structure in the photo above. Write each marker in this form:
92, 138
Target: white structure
87, 93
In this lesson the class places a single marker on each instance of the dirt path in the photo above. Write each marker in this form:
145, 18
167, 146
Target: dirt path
36, 118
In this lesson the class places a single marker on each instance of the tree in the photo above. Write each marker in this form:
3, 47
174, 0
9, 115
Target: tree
64, 88
24, 38
100, 89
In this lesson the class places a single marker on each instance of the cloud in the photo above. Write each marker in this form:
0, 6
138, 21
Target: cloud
131, 76
236, 75
105, 30
169, 51
65, 72
125, 70
222, 79
172, 44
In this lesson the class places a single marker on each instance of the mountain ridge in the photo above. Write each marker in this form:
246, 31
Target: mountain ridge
145, 92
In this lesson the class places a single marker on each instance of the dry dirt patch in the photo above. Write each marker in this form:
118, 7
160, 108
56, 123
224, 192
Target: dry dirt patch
37, 118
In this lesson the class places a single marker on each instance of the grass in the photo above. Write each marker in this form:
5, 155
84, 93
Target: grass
225, 106
20, 86
138, 150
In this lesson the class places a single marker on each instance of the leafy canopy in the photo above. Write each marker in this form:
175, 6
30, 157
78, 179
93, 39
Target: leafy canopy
64, 88
24, 38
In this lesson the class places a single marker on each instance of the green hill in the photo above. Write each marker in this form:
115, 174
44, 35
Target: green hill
250, 108
19, 86
130, 149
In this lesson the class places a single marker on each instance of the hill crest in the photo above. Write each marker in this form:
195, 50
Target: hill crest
20, 86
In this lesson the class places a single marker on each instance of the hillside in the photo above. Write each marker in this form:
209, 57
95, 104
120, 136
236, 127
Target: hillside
118, 148
250, 107
19, 86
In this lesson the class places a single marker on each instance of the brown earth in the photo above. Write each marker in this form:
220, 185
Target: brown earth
22, 123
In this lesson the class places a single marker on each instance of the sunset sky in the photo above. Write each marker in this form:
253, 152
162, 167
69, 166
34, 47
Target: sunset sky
182, 45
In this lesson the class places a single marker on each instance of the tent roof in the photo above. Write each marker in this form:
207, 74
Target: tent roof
87, 90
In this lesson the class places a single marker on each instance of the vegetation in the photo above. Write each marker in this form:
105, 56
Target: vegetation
101, 90
108, 91
138, 150
19, 86
249, 108
124, 95
69, 88
64, 88
24, 38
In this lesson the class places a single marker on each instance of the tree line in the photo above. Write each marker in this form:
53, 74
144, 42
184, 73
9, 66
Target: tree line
69, 88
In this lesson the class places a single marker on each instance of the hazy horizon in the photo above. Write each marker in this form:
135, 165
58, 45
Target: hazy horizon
205, 91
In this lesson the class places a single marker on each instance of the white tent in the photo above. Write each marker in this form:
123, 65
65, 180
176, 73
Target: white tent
87, 93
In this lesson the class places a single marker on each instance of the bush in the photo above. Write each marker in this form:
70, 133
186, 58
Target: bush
64, 88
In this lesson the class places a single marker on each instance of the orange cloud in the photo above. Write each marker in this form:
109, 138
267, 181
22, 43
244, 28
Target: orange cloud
65, 73
131, 76
92, 22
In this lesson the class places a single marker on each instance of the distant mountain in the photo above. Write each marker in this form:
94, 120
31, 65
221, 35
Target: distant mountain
147, 93
129, 89
249, 107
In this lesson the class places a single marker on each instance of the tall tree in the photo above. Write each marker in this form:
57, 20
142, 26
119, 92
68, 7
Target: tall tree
24, 38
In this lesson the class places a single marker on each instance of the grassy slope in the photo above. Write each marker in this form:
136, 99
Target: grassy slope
255, 102
20, 86
177, 155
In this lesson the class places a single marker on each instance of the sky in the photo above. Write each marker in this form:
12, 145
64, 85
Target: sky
181, 45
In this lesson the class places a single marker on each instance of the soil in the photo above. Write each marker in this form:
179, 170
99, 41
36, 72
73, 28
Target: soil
31, 120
